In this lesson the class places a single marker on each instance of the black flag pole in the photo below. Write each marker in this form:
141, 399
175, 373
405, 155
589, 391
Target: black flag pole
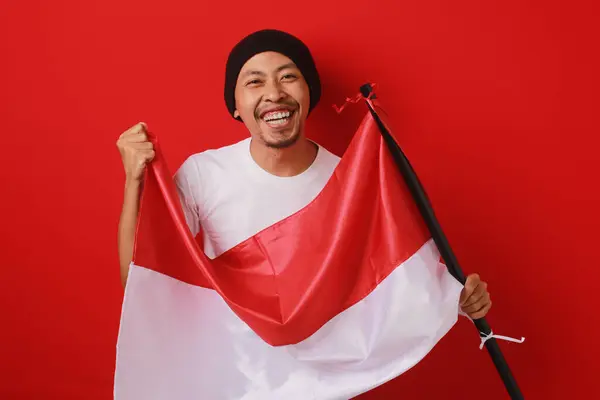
426, 210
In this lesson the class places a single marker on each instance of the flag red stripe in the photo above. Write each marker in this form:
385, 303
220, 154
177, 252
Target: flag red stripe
288, 280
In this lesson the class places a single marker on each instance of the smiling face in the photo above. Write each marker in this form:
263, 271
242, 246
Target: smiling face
272, 98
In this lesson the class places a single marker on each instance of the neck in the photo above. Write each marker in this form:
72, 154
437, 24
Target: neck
289, 161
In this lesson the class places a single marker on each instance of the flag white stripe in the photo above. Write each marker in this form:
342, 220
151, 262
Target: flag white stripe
180, 342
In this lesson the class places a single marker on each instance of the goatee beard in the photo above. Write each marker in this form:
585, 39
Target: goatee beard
283, 143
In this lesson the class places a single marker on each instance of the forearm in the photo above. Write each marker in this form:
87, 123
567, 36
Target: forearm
127, 227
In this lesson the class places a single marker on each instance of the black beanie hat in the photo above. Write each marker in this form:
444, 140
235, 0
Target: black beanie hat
271, 40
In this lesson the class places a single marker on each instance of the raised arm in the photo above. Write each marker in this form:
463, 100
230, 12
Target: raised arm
136, 152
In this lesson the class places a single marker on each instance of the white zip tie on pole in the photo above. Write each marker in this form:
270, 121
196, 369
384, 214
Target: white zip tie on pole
485, 338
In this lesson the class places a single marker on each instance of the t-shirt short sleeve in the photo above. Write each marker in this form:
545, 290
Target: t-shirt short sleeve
188, 183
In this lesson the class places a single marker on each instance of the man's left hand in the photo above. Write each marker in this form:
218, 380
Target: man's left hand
474, 299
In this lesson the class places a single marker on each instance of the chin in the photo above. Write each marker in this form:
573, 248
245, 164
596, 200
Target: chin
280, 139
281, 143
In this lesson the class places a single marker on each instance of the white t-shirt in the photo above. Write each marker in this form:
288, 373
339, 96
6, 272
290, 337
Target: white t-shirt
232, 198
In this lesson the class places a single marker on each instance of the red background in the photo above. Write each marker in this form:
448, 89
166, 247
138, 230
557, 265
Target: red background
494, 102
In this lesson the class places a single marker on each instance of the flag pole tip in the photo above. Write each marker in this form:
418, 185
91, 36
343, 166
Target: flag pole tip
366, 89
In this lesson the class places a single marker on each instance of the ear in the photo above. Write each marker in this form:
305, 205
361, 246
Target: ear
236, 114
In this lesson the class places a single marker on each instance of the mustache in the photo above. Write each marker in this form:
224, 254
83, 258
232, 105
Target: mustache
288, 103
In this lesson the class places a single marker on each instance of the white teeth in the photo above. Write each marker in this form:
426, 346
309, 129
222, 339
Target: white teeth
277, 115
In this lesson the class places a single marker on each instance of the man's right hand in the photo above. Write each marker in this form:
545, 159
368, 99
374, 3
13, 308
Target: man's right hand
136, 152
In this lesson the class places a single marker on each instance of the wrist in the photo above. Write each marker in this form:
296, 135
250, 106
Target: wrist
133, 185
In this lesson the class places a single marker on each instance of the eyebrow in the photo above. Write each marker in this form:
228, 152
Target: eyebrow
279, 69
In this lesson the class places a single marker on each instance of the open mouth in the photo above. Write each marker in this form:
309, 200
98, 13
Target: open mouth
278, 118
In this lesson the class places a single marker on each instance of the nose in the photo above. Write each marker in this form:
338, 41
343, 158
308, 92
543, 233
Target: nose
273, 91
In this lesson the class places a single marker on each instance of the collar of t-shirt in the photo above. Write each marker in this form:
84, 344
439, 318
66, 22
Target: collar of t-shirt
258, 173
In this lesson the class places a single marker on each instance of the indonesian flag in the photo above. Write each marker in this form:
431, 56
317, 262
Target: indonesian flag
330, 302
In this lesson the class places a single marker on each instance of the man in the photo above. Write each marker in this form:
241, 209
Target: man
231, 193
226, 191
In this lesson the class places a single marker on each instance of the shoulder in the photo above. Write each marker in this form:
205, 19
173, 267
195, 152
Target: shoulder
200, 177
212, 161
326, 158
217, 156
203, 172
328, 155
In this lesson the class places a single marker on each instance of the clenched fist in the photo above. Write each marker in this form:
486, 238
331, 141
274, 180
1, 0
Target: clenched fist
136, 151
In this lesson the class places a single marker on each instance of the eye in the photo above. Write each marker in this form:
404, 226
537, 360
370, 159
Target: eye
289, 77
253, 82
